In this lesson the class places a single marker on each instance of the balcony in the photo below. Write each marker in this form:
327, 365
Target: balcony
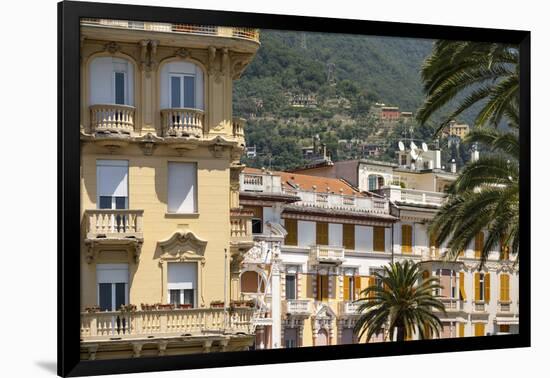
182, 122
163, 323
412, 196
265, 183
323, 254
452, 304
348, 308
123, 228
505, 307
108, 223
249, 34
479, 306
341, 202
112, 119
241, 228
238, 128
297, 307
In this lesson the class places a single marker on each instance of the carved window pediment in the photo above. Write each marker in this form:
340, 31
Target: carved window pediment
183, 246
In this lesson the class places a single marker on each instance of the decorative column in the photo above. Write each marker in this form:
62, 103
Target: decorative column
276, 304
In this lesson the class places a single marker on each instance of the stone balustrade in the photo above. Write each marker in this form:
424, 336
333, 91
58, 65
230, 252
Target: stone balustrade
241, 226
114, 223
182, 122
297, 306
238, 127
136, 324
250, 34
111, 118
319, 254
348, 308
452, 304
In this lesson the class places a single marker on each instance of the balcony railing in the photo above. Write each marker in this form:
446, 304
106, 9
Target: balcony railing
182, 122
238, 127
320, 254
220, 31
348, 308
341, 202
108, 325
480, 306
452, 304
241, 226
504, 307
108, 223
260, 183
423, 197
298, 307
110, 118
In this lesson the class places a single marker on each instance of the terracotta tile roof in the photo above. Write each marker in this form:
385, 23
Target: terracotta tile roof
291, 181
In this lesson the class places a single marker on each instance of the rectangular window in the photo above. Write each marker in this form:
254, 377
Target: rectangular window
182, 188
406, 238
348, 236
349, 288
504, 287
182, 91
321, 237
189, 92
479, 329
322, 287
175, 91
479, 286
112, 184
379, 239
290, 286
291, 227
120, 88
182, 283
291, 338
478, 245
112, 281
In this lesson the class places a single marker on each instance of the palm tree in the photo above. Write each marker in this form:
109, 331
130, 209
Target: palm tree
470, 73
484, 197
402, 301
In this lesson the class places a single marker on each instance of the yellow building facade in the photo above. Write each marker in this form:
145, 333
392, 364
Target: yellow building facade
160, 154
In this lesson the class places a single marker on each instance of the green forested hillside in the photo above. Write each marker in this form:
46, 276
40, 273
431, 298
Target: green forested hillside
345, 74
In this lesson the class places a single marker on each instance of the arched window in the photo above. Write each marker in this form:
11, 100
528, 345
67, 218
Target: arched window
252, 282
182, 86
111, 81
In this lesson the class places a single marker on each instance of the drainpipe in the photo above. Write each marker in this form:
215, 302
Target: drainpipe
225, 304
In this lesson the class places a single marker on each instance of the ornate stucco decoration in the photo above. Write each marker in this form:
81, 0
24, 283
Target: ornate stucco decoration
322, 319
148, 53
238, 64
112, 47
217, 150
94, 246
211, 60
183, 246
148, 143
183, 53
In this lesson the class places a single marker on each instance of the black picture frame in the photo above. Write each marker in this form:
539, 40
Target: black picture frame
69, 14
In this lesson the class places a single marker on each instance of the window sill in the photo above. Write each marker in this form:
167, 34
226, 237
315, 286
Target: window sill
181, 215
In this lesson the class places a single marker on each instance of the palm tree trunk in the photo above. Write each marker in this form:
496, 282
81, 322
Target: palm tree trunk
400, 333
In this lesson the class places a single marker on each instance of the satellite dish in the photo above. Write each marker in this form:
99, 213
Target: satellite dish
401, 146
413, 146
414, 154
424, 147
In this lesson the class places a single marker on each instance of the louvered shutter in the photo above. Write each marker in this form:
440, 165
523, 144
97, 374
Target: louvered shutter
406, 238
321, 237
477, 294
461, 284
348, 236
379, 242
346, 288
357, 286
487, 284
291, 226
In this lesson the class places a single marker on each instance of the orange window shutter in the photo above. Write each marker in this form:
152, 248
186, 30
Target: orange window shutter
479, 329
477, 294
322, 233
291, 226
372, 282
478, 247
379, 243
357, 286
460, 329
346, 288
461, 284
504, 287
406, 238
319, 287
348, 231
487, 282
504, 328
324, 284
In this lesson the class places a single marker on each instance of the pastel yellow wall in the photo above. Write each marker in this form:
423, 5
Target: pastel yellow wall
148, 191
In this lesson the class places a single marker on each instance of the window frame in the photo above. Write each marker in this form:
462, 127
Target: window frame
125, 86
195, 188
182, 77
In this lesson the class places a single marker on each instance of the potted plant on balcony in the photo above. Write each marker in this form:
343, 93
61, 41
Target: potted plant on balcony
242, 303
92, 309
128, 308
147, 307
217, 304
165, 306
185, 306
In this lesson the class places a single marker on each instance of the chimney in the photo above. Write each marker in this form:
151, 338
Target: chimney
453, 166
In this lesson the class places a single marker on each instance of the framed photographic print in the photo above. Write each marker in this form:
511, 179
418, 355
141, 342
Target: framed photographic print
241, 188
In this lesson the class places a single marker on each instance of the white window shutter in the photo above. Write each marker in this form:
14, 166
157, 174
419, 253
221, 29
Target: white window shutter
182, 183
